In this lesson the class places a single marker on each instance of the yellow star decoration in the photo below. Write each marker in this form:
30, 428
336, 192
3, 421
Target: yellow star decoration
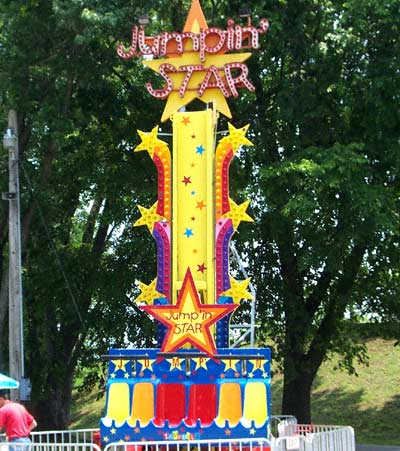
189, 321
149, 217
175, 363
113, 431
230, 364
149, 141
147, 364
258, 364
238, 290
201, 362
106, 439
238, 213
148, 292
120, 364
175, 102
194, 22
236, 137
252, 431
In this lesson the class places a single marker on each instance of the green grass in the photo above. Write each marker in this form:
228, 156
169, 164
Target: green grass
370, 402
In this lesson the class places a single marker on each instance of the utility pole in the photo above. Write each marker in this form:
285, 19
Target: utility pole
15, 318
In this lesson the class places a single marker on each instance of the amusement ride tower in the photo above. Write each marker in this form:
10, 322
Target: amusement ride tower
193, 385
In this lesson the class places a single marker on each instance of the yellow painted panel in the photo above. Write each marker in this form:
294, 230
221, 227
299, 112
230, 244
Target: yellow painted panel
255, 404
230, 404
118, 402
193, 215
143, 403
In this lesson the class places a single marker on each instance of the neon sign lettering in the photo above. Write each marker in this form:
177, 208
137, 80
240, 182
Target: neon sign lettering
209, 41
196, 61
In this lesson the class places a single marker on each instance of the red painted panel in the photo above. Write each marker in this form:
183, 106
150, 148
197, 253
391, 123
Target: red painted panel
170, 404
202, 404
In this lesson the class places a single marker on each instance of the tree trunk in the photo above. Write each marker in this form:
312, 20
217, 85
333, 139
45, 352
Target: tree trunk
296, 398
53, 413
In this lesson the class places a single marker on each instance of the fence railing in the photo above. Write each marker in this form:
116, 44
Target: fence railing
309, 437
291, 436
16, 446
65, 436
194, 445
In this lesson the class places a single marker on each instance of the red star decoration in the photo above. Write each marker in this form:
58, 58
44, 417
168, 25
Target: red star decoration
186, 180
200, 205
201, 268
189, 321
185, 120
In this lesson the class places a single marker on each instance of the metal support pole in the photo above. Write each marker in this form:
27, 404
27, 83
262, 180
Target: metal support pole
16, 351
253, 292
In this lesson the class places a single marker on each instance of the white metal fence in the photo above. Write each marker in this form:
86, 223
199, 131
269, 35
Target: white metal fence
66, 436
15, 446
289, 436
300, 437
194, 445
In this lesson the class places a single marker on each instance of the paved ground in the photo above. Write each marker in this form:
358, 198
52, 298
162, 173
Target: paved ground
377, 448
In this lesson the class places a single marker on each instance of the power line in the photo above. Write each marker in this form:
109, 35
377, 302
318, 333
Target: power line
53, 248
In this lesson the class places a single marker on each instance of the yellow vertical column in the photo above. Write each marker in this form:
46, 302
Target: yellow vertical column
193, 210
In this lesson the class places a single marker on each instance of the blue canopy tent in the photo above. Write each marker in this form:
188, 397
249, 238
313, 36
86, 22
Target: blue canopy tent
7, 382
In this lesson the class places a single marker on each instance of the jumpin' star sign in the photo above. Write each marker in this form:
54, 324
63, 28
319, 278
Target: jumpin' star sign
189, 321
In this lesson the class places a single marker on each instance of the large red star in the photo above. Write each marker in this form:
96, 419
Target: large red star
189, 321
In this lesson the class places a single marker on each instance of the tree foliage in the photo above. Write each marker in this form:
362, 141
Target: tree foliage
323, 178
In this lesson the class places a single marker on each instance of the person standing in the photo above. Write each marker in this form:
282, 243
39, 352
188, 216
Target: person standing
16, 421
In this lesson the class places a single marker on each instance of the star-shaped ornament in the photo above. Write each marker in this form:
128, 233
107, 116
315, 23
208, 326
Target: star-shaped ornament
120, 364
146, 364
149, 217
238, 213
201, 362
237, 137
149, 141
238, 290
175, 363
189, 321
214, 68
148, 292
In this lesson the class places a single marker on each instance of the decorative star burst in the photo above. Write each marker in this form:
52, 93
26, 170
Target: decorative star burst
149, 217
237, 137
175, 363
147, 364
196, 21
201, 362
189, 321
148, 292
120, 364
238, 290
238, 213
149, 141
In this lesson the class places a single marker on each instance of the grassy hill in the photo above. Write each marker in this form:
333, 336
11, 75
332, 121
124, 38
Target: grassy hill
370, 402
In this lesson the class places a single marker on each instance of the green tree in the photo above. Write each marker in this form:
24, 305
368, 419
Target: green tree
79, 107
323, 177
324, 171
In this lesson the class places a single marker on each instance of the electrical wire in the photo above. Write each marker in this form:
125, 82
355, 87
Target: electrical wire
53, 248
